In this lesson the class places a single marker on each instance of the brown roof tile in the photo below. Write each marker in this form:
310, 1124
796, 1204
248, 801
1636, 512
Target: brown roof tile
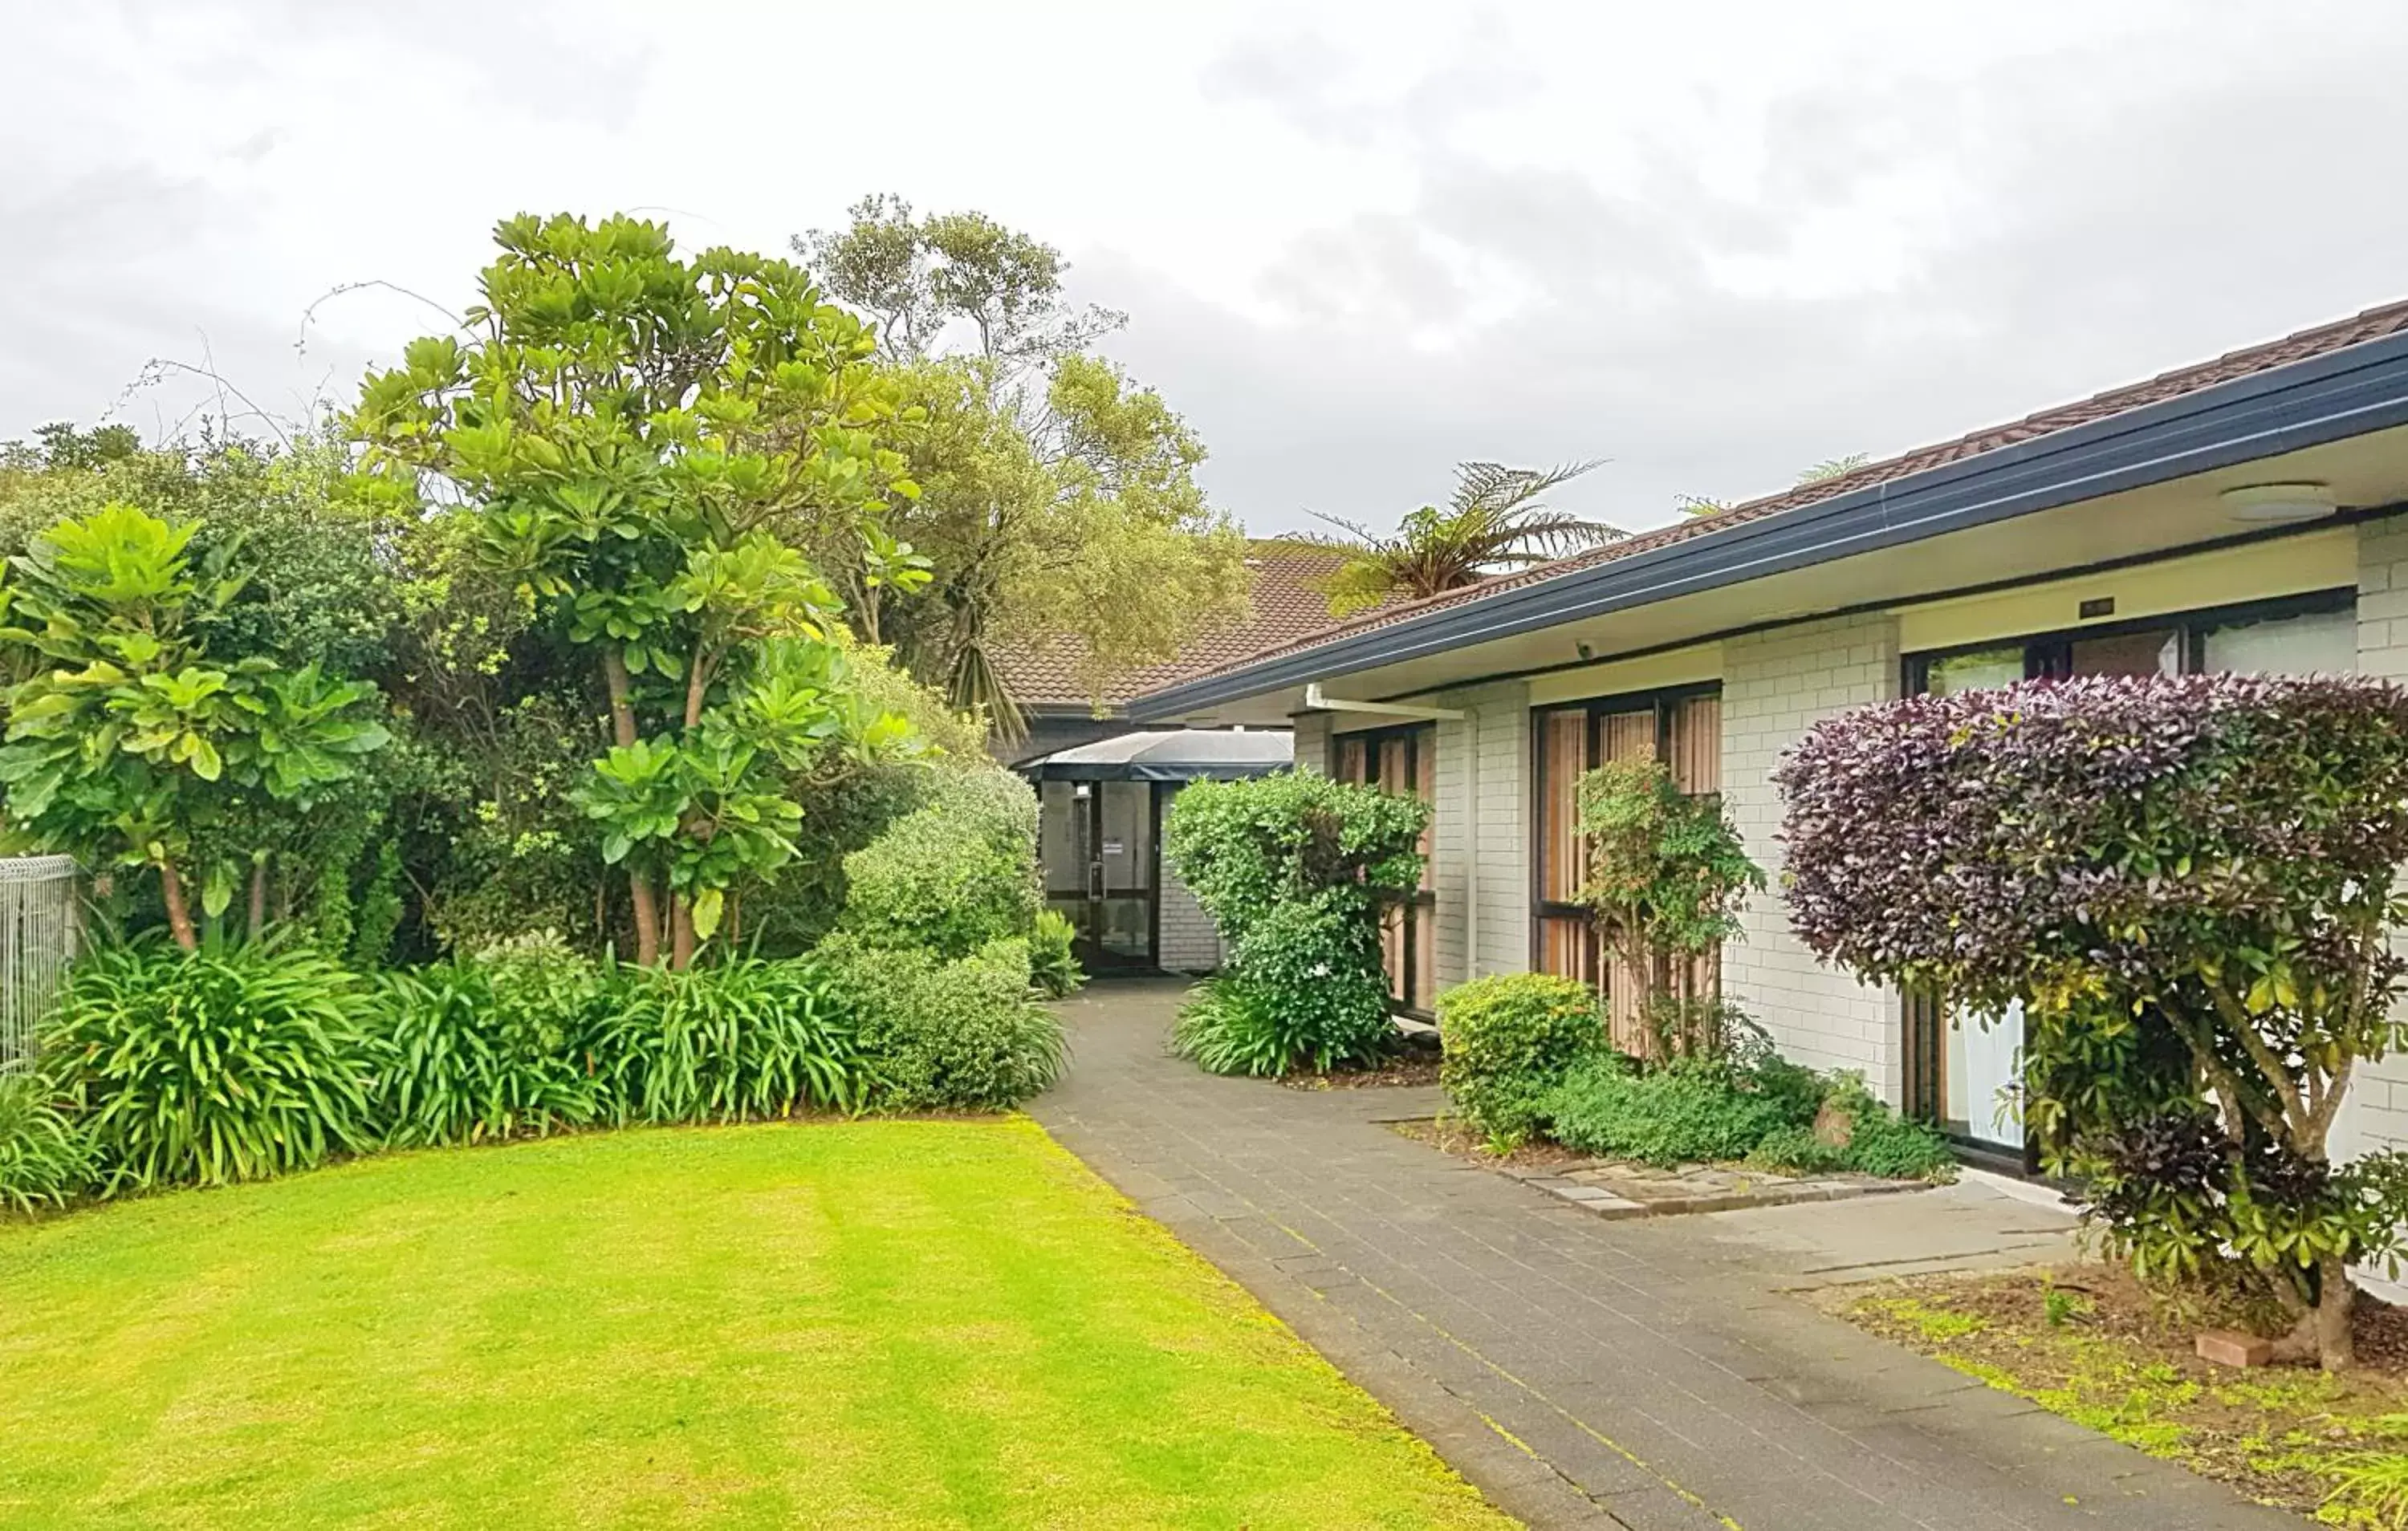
2372, 324
1285, 607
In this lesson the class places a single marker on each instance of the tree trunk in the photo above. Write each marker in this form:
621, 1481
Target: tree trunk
680, 934
258, 909
2336, 1305
179, 918
622, 732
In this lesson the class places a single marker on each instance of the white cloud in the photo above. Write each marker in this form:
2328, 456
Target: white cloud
1358, 242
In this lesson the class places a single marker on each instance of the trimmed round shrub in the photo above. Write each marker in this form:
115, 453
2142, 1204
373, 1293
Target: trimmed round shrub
939, 1036
949, 877
1509, 1038
747, 1038
232, 1063
484, 1048
45, 1158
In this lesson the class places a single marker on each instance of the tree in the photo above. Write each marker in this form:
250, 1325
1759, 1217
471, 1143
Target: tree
1496, 519
128, 741
1058, 502
624, 433
2188, 882
1667, 874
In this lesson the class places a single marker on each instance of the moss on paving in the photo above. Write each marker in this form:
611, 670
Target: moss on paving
873, 1324
2324, 1446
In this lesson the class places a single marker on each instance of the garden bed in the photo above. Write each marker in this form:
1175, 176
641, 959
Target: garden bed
2087, 1342
1617, 1188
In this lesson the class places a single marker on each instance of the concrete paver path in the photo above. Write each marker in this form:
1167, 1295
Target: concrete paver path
1657, 1374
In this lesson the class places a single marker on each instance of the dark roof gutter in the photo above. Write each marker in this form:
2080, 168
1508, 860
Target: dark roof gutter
2319, 399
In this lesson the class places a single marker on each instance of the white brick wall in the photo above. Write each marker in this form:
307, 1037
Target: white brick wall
1312, 742
2375, 1115
1775, 685
1187, 940
1483, 880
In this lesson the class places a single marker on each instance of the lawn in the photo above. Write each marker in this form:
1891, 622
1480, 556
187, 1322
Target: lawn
872, 1323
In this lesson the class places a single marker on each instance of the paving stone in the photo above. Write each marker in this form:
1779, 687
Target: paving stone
1651, 1368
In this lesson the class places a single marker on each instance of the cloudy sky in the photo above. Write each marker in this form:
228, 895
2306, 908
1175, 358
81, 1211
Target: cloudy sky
1713, 243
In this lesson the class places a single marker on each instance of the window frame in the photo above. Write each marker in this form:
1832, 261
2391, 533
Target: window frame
1409, 735
1666, 702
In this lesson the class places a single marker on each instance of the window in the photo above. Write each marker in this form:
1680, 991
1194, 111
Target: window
1402, 760
1680, 728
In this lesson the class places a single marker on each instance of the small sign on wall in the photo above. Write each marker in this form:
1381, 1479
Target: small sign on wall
1111, 848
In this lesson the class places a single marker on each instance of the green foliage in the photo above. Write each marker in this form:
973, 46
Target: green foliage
45, 1156
1496, 519
127, 740
1763, 1112
628, 430
1229, 1027
478, 1050
233, 1062
1666, 875
1294, 868
2372, 1488
944, 1036
949, 877
1682, 1112
1059, 504
746, 1038
1053, 964
1507, 1039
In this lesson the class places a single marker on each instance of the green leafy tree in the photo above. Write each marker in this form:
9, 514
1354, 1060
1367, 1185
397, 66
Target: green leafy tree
1059, 502
128, 741
1667, 873
1498, 519
626, 433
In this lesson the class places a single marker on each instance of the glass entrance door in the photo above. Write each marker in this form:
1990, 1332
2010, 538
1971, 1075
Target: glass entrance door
1096, 847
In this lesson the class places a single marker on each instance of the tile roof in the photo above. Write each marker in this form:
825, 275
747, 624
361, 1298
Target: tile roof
1285, 607
2372, 324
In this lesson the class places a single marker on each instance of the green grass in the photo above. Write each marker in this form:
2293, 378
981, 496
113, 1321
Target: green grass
873, 1324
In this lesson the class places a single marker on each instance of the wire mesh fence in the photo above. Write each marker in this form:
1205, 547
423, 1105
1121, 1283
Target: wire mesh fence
37, 939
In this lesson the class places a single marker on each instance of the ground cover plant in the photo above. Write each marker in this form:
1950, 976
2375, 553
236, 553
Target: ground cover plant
2092, 1344
869, 1323
2188, 882
1526, 1055
1294, 868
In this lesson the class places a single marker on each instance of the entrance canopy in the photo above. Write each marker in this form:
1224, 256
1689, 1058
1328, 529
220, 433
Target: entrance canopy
1181, 754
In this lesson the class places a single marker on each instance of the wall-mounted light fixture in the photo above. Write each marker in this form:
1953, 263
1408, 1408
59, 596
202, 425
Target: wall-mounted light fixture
2276, 505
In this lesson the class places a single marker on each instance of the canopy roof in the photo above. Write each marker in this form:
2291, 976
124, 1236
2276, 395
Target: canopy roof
1182, 754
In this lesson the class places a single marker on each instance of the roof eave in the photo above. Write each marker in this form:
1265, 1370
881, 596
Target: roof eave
2319, 399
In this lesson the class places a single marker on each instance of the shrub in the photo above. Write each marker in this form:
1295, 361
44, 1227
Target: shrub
1229, 1027
232, 1063
45, 1157
1052, 962
748, 1038
1680, 1113
937, 1034
484, 1048
1666, 875
1881, 1142
949, 877
1510, 1038
1294, 867
2192, 876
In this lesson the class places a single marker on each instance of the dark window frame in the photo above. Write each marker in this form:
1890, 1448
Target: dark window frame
1421, 1007
1666, 702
